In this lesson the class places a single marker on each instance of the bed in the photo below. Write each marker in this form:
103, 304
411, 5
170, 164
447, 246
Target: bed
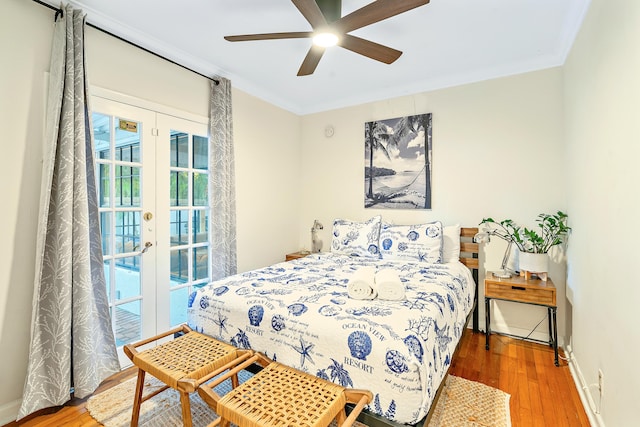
300, 314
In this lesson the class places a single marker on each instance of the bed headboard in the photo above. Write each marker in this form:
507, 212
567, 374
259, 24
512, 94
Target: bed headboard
469, 251
468, 248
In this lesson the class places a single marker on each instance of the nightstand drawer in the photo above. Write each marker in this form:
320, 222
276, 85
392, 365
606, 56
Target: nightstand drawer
515, 292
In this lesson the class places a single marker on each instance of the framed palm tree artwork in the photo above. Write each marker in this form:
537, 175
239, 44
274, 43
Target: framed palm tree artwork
397, 168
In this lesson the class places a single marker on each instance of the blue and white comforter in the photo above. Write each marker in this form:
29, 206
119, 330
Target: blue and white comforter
299, 314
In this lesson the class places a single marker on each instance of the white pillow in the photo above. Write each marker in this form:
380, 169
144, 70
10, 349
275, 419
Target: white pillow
451, 243
421, 242
356, 238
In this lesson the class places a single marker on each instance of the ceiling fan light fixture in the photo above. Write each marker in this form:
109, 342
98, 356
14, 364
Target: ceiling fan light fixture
330, 28
325, 39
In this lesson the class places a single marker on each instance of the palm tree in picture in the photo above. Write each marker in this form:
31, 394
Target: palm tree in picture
375, 133
411, 126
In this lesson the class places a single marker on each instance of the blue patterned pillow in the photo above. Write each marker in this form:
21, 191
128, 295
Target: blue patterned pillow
356, 238
422, 242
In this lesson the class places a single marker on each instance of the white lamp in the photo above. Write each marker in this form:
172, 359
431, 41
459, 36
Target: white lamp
484, 237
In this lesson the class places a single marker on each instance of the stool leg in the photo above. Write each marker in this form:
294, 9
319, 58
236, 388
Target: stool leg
186, 409
234, 381
137, 399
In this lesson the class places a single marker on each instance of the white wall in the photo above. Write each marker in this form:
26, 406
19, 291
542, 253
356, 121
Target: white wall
602, 102
267, 144
267, 167
497, 151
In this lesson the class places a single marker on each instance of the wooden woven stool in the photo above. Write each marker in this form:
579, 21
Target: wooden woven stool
181, 364
280, 396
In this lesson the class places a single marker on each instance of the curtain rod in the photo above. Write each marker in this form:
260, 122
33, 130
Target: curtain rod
59, 12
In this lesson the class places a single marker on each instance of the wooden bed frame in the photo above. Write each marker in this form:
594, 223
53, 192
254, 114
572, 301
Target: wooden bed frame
468, 256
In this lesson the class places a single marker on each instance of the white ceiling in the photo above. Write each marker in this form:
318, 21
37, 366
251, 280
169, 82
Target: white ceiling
445, 43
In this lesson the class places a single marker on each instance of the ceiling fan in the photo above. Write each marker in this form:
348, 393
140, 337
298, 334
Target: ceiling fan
330, 28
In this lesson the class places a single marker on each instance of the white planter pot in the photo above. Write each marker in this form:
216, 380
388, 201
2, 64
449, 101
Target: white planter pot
534, 263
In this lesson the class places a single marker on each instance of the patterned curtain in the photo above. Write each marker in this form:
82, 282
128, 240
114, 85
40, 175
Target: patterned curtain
222, 191
72, 343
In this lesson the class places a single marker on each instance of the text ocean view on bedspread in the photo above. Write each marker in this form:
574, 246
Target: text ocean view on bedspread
299, 314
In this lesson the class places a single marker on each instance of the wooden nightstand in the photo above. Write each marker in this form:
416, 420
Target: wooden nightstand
296, 255
518, 289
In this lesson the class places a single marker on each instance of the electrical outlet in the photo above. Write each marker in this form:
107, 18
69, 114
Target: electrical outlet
600, 381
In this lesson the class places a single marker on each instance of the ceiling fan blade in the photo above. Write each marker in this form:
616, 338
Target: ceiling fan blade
311, 12
269, 36
311, 60
369, 49
375, 12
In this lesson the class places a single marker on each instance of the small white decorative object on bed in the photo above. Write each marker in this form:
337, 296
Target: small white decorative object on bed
362, 284
389, 285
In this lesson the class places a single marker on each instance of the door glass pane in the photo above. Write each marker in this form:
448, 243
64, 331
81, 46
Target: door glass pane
135, 187
200, 185
179, 149
179, 189
200, 263
103, 184
105, 228
129, 152
127, 277
135, 153
200, 225
200, 152
102, 135
179, 266
127, 231
127, 186
179, 227
124, 153
128, 323
179, 301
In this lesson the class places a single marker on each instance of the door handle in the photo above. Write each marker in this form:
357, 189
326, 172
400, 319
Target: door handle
147, 245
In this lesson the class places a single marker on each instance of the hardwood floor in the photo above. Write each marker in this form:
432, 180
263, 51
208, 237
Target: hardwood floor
73, 413
541, 393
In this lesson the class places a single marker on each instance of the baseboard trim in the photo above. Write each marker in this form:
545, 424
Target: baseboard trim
595, 419
9, 411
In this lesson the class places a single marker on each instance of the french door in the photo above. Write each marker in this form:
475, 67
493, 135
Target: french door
153, 193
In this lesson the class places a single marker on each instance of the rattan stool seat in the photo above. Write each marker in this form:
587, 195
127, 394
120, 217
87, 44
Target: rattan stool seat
182, 364
192, 355
281, 396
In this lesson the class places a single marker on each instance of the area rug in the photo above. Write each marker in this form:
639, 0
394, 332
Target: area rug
469, 403
462, 403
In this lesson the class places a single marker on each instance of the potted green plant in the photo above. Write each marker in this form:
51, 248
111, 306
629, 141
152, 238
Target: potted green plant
533, 244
